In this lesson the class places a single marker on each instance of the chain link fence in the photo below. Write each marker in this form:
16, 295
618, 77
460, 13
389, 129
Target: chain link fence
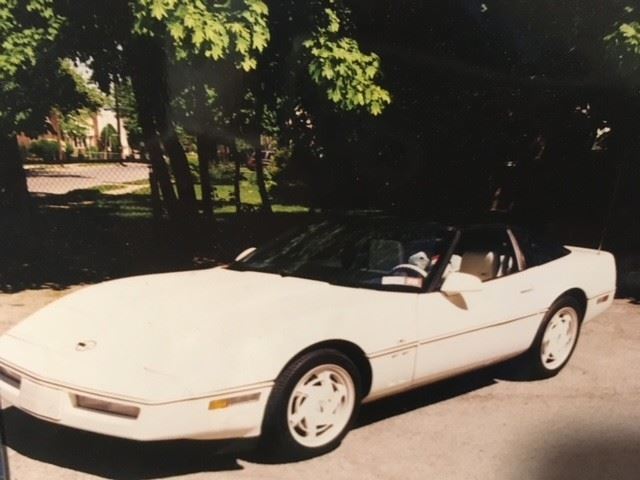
119, 177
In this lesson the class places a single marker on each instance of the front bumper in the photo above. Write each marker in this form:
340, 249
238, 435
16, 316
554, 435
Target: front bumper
183, 419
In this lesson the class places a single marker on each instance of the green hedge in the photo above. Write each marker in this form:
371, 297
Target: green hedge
47, 150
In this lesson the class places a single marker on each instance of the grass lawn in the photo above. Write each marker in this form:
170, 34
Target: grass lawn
95, 234
136, 202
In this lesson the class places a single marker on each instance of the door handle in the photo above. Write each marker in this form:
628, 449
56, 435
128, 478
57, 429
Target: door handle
527, 290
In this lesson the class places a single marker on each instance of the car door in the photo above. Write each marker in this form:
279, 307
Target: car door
467, 330
386, 328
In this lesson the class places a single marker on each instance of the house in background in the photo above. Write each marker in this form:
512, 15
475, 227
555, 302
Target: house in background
95, 136
103, 133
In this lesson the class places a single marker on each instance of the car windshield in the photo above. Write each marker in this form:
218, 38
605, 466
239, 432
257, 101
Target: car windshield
371, 253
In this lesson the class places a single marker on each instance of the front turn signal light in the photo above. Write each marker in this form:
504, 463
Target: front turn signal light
220, 403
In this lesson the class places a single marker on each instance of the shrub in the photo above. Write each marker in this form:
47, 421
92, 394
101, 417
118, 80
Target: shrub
47, 150
224, 173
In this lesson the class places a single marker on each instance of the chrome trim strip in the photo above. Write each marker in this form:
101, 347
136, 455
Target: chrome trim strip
410, 345
476, 329
392, 350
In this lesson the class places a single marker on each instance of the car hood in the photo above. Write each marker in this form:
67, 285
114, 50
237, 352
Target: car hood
159, 338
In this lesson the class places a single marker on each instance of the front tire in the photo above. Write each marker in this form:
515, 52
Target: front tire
312, 406
557, 338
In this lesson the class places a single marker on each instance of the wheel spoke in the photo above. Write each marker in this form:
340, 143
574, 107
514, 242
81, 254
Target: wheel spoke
326, 384
296, 418
569, 330
306, 391
340, 395
311, 421
326, 419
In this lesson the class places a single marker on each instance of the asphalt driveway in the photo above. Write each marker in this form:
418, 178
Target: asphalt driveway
583, 425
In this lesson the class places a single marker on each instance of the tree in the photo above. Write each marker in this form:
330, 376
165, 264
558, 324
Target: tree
474, 85
145, 40
235, 36
129, 115
76, 124
27, 99
624, 41
19, 51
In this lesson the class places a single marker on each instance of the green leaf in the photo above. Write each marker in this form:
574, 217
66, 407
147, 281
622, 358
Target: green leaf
348, 74
158, 10
177, 31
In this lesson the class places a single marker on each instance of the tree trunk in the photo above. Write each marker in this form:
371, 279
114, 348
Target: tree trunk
147, 64
257, 146
116, 94
156, 199
181, 173
163, 178
160, 169
14, 194
262, 186
206, 147
236, 178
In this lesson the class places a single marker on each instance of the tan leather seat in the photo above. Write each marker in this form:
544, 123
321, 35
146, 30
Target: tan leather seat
483, 265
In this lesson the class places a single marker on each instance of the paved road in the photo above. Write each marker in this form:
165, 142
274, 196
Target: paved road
61, 179
582, 425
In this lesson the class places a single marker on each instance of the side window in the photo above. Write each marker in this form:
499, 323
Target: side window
537, 250
486, 253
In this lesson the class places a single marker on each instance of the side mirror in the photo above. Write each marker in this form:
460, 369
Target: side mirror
458, 282
245, 253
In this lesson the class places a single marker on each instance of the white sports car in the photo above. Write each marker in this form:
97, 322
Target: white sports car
287, 341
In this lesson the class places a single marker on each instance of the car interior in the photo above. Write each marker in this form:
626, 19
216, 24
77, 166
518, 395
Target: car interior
486, 254
387, 255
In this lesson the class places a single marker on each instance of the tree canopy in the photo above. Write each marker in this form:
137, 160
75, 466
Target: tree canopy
381, 103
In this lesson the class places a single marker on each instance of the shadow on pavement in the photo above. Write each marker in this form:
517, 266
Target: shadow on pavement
579, 455
112, 457
586, 454
423, 397
124, 459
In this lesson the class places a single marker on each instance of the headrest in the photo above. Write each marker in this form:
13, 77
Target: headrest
483, 265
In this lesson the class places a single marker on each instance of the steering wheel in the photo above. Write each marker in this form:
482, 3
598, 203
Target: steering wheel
409, 267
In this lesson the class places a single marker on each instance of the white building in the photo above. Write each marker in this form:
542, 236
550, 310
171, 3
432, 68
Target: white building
100, 121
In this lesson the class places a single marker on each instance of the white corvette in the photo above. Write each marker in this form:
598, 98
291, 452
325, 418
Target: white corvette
286, 342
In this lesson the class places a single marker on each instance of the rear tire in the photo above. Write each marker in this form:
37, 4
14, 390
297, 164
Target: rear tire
312, 406
556, 339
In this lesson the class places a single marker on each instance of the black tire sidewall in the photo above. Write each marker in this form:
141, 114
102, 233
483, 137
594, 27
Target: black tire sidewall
277, 440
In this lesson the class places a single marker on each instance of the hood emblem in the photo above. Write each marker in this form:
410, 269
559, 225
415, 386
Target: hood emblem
85, 345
